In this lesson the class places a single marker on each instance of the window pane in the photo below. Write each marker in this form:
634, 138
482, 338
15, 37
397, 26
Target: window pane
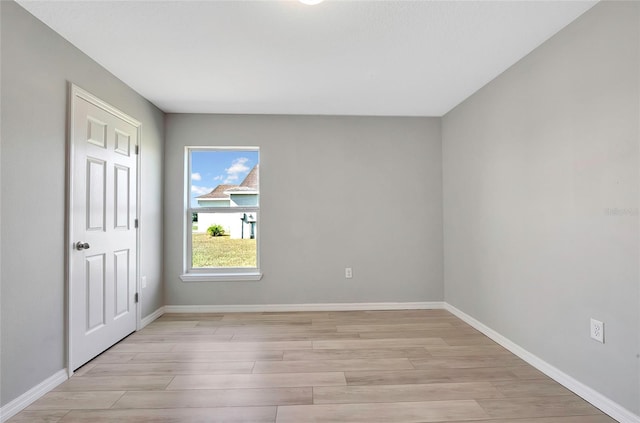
224, 240
224, 178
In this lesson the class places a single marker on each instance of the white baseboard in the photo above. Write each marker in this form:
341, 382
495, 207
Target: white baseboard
33, 394
595, 398
252, 308
153, 316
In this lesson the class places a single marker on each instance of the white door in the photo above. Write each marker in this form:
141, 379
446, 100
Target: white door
102, 223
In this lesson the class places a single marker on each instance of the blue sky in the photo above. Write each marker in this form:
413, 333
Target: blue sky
212, 168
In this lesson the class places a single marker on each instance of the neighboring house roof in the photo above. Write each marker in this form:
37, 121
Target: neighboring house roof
218, 193
248, 186
222, 192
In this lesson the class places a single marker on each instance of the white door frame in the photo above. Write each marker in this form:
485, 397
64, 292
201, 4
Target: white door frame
77, 92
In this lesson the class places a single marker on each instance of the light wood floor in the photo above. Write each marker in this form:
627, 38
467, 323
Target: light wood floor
361, 366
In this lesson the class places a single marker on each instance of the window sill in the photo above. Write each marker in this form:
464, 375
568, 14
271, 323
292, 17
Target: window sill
221, 277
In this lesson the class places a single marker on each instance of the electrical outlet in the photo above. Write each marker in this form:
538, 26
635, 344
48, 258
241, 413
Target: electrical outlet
597, 330
348, 273
144, 281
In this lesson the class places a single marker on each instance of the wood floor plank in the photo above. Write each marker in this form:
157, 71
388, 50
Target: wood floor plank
177, 317
258, 319
347, 354
84, 369
601, 418
170, 323
197, 330
393, 327
274, 330
56, 400
160, 369
531, 388
253, 323
303, 314
287, 380
371, 320
310, 366
404, 393
268, 317
467, 350
175, 415
431, 333
550, 406
243, 346
115, 383
466, 362
468, 339
207, 356
528, 372
403, 377
142, 347
294, 337
45, 416
175, 339
377, 343
202, 398
405, 412
113, 357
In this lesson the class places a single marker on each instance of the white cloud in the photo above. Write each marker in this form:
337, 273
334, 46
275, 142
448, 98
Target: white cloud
218, 178
196, 176
238, 166
200, 190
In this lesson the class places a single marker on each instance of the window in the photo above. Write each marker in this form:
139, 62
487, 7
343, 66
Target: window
222, 214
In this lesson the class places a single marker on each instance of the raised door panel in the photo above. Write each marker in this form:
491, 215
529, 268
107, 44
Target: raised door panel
122, 271
96, 180
95, 290
121, 197
96, 132
123, 143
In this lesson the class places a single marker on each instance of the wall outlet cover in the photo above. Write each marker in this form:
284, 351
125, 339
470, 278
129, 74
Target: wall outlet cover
597, 330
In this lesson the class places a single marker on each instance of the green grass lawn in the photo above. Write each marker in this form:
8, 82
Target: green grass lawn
222, 251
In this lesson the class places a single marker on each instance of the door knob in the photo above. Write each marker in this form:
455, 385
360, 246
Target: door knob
82, 246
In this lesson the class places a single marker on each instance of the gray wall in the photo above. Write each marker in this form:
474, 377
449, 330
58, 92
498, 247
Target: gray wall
541, 201
36, 65
335, 192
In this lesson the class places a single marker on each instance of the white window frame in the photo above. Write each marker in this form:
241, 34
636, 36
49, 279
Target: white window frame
212, 274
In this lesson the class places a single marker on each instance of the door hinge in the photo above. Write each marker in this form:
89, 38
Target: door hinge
135, 297
135, 223
137, 149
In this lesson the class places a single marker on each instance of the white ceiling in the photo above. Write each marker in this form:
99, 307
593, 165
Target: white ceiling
389, 58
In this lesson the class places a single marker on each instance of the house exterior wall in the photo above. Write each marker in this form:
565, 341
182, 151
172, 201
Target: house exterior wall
214, 203
244, 200
231, 222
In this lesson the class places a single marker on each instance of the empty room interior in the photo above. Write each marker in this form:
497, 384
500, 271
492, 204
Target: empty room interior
444, 226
